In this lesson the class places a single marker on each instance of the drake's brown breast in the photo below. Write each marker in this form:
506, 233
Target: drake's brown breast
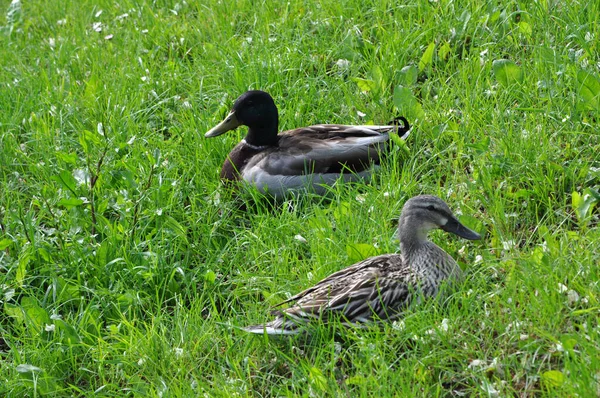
236, 161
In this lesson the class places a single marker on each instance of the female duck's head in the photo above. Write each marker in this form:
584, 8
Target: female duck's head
423, 213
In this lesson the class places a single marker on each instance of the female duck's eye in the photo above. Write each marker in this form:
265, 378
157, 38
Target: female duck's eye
430, 208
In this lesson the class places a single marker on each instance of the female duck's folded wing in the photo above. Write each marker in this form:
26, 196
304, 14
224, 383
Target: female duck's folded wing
368, 299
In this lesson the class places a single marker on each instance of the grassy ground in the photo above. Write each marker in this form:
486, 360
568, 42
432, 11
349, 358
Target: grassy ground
125, 267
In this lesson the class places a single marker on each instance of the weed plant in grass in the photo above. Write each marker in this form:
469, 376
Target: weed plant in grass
126, 268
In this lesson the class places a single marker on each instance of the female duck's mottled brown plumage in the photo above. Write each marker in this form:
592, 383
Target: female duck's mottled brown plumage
380, 288
304, 158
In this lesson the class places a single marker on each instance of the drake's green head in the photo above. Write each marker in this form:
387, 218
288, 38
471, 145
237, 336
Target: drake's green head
255, 109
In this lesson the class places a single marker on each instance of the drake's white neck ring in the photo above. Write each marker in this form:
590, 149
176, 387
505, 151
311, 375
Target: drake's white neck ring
255, 147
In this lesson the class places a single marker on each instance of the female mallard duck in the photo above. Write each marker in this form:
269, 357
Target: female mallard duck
381, 287
304, 158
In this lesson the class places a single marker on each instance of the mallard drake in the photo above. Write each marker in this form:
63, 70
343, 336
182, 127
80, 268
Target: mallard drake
303, 158
380, 288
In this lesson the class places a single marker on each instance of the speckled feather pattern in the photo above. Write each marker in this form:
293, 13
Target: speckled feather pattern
382, 287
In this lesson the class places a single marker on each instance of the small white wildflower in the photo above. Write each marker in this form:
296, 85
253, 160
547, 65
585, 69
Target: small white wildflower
122, 16
141, 361
523, 336
572, 297
508, 245
342, 63
559, 347
461, 251
478, 259
562, 288
248, 40
444, 325
475, 363
50, 328
178, 352
144, 31
310, 276
398, 325
97, 26
360, 198
144, 78
386, 194
108, 37
131, 140
509, 300
589, 36
300, 238
361, 114
186, 105
98, 13
51, 42
159, 212
61, 22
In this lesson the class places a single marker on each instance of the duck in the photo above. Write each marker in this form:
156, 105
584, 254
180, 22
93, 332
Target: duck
303, 159
380, 288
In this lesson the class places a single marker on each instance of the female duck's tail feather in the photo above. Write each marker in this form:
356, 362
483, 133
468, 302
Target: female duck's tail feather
277, 327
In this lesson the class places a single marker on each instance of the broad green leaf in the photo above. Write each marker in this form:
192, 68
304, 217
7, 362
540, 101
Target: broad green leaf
68, 332
407, 103
365, 85
378, 76
4, 243
14, 311
525, 28
409, 75
553, 378
22, 265
89, 140
588, 91
66, 179
210, 276
37, 316
360, 251
583, 204
507, 72
444, 51
37, 377
70, 202
70, 158
569, 344
341, 211
427, 56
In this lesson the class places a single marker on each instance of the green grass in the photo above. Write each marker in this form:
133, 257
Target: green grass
127, 269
